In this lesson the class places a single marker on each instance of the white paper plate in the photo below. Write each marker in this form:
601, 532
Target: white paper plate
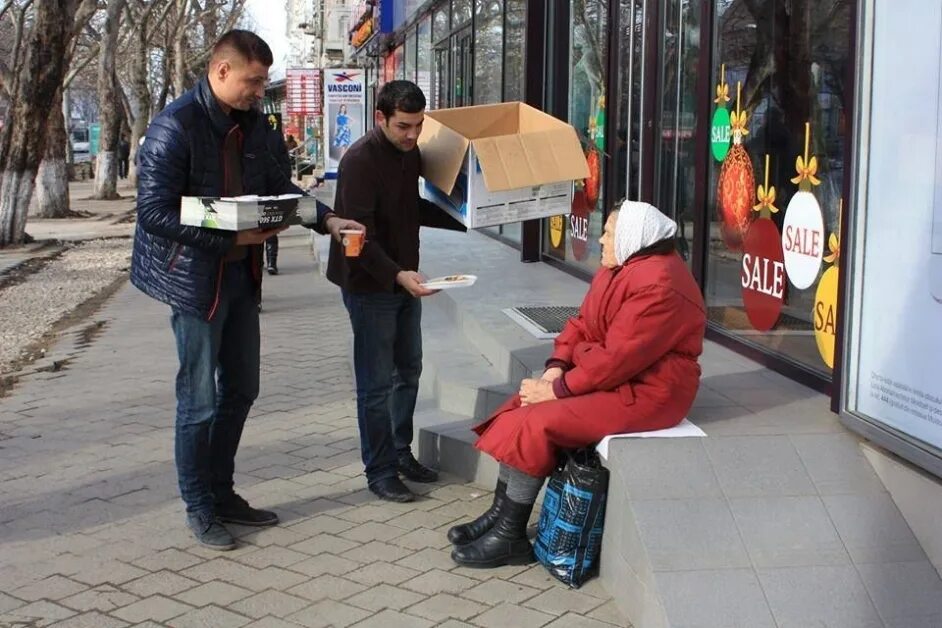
450, 281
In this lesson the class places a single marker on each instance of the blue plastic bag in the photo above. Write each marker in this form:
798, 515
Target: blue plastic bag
569, 535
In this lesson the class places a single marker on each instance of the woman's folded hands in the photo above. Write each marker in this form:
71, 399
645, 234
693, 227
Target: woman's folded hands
537, 390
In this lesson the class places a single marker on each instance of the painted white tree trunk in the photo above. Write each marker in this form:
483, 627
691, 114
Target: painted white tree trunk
16, 191
106, 175
52, 188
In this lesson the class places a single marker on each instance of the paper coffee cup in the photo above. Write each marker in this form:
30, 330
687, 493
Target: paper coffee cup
352, 241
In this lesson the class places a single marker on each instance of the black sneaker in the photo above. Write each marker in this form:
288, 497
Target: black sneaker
272, 270
237, 510
392, 490
412, 469
209, 532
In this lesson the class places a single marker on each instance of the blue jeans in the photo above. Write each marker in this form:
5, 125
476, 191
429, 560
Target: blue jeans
216, 385
387, 362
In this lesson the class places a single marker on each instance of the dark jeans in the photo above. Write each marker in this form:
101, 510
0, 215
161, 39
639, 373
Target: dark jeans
216, 385
387, 362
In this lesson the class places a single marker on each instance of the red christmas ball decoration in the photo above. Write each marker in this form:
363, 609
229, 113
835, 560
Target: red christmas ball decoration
735, 194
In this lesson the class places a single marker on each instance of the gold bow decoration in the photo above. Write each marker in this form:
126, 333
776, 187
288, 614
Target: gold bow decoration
806, 170
722, 88
766, 193
806, 165
738, 121
834, 241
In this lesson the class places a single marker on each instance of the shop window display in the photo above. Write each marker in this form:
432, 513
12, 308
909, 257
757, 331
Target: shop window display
409, 57
778, 134
488, 46
424, 59
574, 238
675, 157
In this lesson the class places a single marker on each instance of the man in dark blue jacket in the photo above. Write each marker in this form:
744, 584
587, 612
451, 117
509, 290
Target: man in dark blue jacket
212, 141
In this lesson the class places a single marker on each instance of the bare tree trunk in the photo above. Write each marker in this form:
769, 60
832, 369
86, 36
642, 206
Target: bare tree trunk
139, 95
52, 180
67, 116
180, 69
106, 166
34, 91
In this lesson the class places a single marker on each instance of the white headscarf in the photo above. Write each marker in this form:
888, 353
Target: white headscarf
639, 225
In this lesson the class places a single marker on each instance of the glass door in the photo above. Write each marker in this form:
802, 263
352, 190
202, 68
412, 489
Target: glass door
442, 84
463, 64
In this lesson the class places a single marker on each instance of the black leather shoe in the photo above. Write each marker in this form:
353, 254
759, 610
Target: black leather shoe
504, 544
237, 510
272, 269
412, 469
392, 490
473, 530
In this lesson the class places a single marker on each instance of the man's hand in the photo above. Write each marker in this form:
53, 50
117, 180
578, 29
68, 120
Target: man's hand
256, 236
535, 391
552, 374
335, 224
412, 282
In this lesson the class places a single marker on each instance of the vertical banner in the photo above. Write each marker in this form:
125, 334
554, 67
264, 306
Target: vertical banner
344, 115
304, 91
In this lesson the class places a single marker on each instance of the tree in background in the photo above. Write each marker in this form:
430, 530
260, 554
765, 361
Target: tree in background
40, 60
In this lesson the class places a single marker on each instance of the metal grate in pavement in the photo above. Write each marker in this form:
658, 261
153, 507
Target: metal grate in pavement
543, 320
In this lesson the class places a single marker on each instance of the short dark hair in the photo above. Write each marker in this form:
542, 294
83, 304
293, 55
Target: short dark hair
246, 44
404, 96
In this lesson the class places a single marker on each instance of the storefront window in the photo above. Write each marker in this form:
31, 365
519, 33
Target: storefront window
409, 61
461, 13
779, 89
442, 23
575, 237
488, 48
626, 154
424, 59
674, 172
399, 68
515, 27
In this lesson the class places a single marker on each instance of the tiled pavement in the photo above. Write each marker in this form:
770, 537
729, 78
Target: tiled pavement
91, 529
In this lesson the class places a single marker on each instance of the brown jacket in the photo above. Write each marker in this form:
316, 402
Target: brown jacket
378, 186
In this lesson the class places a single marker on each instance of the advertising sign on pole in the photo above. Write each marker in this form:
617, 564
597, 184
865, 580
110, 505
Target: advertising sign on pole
304, 91
344, 115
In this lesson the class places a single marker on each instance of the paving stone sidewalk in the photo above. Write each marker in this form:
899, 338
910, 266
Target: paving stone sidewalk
91, 528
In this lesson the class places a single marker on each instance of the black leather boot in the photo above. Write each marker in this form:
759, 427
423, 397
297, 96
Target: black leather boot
473, 530
504, 544
271, 255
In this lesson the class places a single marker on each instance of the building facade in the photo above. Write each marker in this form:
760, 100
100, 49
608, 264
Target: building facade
736, 118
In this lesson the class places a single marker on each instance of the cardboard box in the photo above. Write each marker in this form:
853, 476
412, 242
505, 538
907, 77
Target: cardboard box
495, 164
247, 212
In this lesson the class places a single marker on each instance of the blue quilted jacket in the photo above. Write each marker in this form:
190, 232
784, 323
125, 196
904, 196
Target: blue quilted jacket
182, 156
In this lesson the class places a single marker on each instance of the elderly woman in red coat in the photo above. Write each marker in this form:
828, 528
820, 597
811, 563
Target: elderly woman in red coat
626, 363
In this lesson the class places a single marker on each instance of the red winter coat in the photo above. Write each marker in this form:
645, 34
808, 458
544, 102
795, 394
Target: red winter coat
630, 361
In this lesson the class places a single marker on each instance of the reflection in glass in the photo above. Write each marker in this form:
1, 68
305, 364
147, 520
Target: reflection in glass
588, 58
424, 60
488, 46
461, 13
441, 26
790, 58
674, 162
409, 60
515, 24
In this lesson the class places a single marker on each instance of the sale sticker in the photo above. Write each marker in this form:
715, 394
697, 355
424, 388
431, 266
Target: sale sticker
803, 240
762, 274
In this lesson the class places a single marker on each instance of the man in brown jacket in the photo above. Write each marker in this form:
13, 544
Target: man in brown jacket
378, 186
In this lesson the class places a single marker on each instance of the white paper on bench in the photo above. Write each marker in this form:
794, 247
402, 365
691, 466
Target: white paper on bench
683, 429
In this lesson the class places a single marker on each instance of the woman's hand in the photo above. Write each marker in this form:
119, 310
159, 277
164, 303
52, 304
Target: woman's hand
552, 374
535, 391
